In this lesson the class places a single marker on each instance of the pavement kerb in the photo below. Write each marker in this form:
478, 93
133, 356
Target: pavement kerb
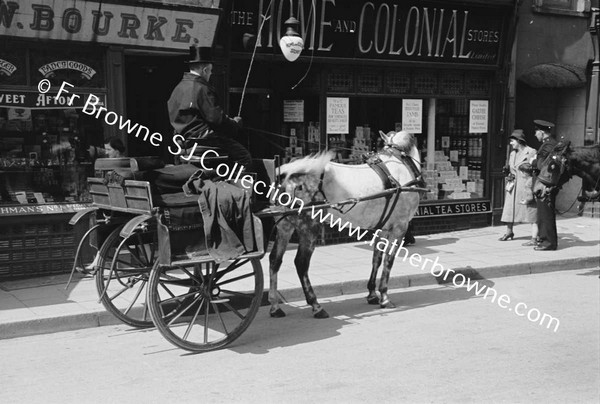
70, 322
426, 279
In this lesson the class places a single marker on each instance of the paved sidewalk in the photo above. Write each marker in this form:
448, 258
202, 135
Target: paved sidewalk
43, 305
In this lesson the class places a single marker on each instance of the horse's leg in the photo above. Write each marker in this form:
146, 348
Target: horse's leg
388, 262
284, 232
307, 239
372, 298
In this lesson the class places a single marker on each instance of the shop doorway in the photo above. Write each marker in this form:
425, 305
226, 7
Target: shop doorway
149, 82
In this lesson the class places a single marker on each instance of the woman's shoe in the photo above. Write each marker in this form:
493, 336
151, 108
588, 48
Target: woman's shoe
507, 236
531, 243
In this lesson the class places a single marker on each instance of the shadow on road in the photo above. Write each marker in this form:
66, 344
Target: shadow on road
299, 327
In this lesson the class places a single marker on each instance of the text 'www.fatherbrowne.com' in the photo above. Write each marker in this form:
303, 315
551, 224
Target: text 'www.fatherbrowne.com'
436, 269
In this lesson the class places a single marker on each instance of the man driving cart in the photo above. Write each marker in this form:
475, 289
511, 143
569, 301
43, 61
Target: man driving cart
197, 116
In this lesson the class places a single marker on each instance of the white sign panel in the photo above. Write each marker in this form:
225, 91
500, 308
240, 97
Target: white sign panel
128, 24
478, 116
293, 110
412, 116
338, 113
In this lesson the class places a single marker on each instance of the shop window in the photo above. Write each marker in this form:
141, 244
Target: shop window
341, 81
44, 155
397, 82
456, 168
425, 82
451, 83
578, 8
370, 81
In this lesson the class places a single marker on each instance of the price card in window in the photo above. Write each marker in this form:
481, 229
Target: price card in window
338, 114
293, 110
412, 116
478, 116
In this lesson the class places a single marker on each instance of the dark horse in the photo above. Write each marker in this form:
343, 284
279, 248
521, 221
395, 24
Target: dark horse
564, 162
315, 179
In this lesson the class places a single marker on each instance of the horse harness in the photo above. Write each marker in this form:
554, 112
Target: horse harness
374, 161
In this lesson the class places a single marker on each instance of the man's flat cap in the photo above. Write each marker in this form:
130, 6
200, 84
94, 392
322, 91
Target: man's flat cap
543, 125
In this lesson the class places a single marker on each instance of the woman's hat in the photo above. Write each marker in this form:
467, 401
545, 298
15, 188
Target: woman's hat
200, 54
518, 134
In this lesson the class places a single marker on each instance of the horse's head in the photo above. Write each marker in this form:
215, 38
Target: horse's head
403, 141
554, 169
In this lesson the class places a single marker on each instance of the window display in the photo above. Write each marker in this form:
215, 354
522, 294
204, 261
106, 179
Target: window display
44, 155
455, 170
452, 156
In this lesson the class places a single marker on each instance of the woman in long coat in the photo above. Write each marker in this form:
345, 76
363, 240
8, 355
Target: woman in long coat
519, 206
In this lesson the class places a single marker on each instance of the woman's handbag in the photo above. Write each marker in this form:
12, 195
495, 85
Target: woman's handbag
510, 183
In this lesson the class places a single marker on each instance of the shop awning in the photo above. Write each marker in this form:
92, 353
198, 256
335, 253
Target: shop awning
554, 75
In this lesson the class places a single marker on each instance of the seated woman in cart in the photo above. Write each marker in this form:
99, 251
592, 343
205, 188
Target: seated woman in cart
197, 116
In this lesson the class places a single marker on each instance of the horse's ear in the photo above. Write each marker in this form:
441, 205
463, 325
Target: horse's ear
383, 136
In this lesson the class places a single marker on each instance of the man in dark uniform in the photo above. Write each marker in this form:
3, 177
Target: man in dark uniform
546, 217
196, 114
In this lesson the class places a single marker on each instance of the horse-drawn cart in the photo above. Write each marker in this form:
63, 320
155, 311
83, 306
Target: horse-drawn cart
151, 271
154, 266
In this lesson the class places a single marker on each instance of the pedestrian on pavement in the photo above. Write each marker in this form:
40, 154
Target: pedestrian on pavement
545, 204
519, 206
196, 114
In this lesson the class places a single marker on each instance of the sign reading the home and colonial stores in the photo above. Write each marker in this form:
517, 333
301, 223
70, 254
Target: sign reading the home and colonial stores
453, 208
131, 24
408, 30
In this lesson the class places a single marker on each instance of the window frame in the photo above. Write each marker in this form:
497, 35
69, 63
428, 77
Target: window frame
554, 7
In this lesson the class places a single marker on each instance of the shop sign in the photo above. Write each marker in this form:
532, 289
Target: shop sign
293, 110
35, 100
378, 29
453, 208
129, 24
412, 116
48, 69
24, 210
478, 116
338, 115
7, 68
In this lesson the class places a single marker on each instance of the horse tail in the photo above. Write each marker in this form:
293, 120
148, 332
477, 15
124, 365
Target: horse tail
309, 165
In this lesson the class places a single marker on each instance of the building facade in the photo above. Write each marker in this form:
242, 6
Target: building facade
438, 69
552, 69
121, 56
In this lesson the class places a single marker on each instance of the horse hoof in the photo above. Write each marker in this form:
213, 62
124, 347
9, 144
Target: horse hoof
387, 305
321, 314
277, 313
373, 299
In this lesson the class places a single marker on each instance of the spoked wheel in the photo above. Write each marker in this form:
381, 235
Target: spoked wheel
121, 282
216, 302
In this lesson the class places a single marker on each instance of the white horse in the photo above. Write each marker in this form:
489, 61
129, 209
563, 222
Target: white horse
315, 179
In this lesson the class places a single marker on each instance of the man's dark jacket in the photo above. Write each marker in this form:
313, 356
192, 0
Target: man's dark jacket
195, 111
545, 149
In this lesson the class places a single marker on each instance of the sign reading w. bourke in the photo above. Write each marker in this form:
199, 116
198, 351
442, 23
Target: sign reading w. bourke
380, 29
133, 24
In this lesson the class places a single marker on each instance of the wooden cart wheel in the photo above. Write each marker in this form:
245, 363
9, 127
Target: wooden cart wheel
121, 281
220, 301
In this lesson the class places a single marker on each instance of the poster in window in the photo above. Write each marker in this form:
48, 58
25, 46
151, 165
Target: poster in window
412, 116
338, 115
293, 110
478, 116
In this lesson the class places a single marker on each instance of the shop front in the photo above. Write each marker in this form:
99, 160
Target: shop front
435, 69
45, 137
